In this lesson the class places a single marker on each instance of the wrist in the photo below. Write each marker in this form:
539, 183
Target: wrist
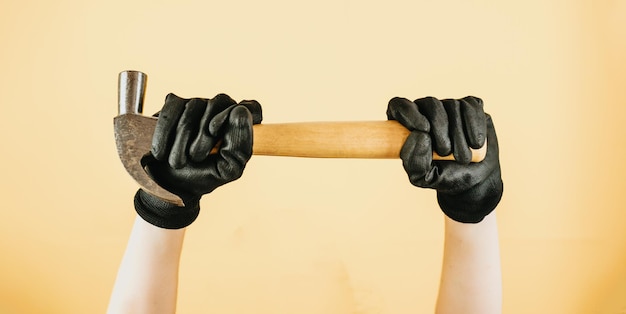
474, 204
163, 214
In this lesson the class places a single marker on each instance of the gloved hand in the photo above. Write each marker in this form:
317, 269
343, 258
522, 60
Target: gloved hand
186, 132
466, 192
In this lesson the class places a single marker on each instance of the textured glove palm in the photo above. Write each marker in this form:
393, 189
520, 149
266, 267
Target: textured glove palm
466, 192
181, 160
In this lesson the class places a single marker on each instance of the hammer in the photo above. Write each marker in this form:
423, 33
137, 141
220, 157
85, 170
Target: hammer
356, 139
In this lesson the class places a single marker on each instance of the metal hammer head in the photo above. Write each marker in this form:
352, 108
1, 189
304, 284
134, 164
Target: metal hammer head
133, 133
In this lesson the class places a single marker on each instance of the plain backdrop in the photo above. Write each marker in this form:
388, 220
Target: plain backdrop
307, 235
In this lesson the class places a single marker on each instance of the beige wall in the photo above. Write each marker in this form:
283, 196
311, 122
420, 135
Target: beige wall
304, 235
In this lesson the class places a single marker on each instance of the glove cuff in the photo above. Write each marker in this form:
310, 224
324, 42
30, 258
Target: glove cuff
163, 214
466, 208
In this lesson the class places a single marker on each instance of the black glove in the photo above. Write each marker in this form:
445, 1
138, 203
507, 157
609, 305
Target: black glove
186, 132
466, 192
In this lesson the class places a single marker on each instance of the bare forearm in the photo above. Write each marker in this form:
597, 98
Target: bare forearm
471, 280
147, 279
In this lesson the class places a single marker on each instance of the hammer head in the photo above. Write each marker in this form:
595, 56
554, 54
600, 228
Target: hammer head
133, 133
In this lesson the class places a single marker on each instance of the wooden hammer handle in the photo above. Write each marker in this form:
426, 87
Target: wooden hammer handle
377, 139
374, 139
367, 139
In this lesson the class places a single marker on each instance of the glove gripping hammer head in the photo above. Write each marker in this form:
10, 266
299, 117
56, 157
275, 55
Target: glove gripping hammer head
133, 133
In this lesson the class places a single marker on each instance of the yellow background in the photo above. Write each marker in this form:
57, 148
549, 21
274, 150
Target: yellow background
306, 235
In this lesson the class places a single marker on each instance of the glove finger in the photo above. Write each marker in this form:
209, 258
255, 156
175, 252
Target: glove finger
455, 178
236, 148
207, 139
416, 155
432, 109
492, 159
460, 149
255, 109
165, 130
207, 136
215, 106
474, 121
405, 112
187, 128
219, 112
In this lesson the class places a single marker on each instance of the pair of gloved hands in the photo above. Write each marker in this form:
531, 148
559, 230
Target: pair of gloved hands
188, 129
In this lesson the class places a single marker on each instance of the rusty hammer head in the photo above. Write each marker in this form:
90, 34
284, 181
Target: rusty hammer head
133, 133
